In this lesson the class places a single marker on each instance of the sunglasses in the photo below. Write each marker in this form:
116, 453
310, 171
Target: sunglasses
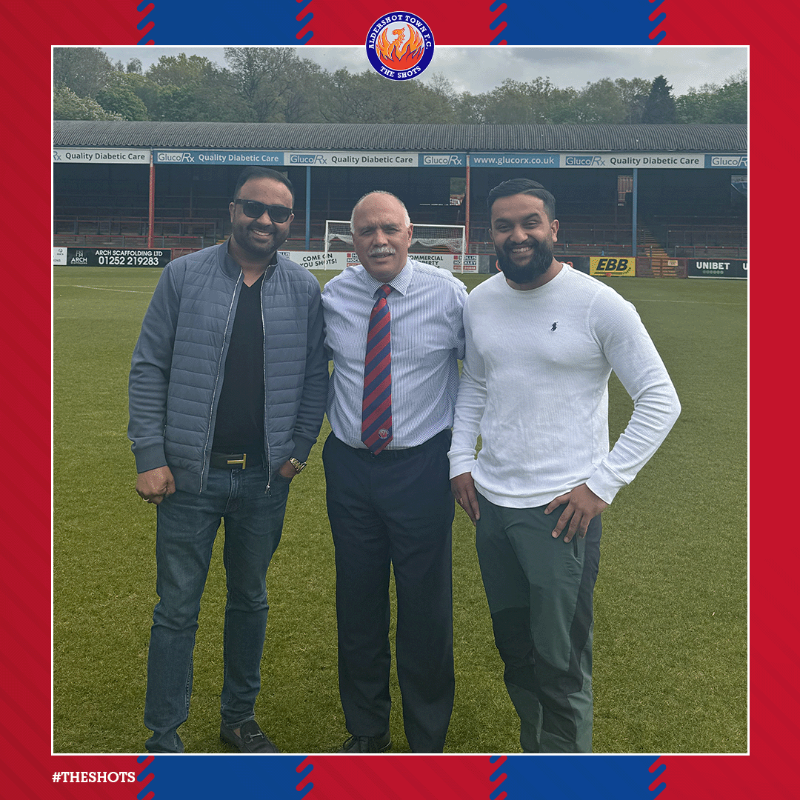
254, 210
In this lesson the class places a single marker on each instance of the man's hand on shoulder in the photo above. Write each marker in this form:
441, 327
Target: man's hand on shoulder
464, 492
155, 484
583, 505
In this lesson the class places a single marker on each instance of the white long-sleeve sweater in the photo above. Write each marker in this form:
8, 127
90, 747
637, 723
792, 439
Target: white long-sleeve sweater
535, 386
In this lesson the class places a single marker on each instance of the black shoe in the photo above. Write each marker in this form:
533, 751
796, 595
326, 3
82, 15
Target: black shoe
367, 744
251, 738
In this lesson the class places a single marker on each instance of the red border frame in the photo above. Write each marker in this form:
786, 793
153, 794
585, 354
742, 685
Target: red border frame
31, 30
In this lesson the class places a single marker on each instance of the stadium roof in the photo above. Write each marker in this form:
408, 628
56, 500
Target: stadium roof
412, 137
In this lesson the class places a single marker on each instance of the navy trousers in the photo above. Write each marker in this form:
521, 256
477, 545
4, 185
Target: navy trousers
394, 509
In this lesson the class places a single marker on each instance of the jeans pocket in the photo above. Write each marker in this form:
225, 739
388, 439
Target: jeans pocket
279, 482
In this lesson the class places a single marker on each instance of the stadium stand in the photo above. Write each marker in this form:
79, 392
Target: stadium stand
681, 213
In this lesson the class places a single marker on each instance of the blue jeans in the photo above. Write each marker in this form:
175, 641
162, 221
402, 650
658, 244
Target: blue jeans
187, 527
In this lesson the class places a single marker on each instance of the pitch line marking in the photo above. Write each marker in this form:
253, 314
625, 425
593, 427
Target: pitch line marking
686, 302
97, 288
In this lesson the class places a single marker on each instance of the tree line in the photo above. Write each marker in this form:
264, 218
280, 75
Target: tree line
270, 84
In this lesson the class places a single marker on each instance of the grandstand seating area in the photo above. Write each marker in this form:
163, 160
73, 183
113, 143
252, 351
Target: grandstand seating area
672, 237
181, 235
685, 237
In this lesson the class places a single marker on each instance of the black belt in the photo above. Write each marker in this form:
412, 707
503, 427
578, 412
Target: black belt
400, 452
236, 460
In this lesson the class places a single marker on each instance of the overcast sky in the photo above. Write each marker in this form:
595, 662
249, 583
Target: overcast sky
480, 69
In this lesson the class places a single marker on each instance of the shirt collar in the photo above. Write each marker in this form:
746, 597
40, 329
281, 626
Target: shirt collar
399, 283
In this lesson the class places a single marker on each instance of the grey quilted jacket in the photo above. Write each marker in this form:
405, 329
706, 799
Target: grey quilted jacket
178, 364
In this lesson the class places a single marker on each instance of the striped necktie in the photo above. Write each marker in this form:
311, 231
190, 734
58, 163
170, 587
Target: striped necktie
376, 410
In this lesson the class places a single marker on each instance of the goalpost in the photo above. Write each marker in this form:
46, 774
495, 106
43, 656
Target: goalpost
425, 239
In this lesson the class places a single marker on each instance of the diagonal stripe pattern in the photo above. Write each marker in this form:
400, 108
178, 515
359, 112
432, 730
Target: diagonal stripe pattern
376, 409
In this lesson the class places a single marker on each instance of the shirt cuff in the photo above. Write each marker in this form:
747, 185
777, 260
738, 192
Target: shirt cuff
151, 457
605, 483
461, 462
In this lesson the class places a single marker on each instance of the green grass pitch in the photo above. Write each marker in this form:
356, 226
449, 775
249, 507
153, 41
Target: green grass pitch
670, 655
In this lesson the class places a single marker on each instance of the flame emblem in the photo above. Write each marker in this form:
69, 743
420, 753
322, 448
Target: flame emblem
400, 46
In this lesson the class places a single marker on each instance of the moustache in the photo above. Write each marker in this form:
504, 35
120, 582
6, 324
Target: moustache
262, 228
533, 243
381, 251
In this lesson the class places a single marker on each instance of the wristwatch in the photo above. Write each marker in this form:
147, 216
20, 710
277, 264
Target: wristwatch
298, 467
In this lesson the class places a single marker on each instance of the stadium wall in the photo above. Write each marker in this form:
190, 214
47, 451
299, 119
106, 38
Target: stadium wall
685, 204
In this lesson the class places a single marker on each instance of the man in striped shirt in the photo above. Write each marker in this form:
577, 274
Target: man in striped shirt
386, 467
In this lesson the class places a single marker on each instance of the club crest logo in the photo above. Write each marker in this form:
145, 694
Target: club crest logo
399, 46
383, 433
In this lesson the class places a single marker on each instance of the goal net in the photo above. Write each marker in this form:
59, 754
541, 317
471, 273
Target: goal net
426, 239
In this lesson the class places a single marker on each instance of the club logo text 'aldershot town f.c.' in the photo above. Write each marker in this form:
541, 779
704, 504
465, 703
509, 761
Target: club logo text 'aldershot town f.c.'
399, 46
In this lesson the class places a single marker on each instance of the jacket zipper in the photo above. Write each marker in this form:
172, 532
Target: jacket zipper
264, 367
207, 461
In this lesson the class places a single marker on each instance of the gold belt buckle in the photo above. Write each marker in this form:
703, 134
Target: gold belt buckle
233, 461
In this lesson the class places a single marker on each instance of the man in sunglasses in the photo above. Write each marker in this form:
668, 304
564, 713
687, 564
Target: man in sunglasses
227, 394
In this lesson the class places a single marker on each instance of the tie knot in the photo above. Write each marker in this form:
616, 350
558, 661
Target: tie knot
385, 289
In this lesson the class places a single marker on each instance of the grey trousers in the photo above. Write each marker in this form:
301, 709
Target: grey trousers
540, 593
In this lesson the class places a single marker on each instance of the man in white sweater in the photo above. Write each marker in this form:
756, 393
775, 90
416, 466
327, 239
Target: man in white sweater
541, 342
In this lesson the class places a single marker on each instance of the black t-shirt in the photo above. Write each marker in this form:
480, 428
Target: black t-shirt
240, 414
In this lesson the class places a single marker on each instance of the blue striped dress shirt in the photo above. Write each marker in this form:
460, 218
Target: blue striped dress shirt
426, 306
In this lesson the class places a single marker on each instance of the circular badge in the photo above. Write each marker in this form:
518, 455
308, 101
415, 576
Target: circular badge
399, 46
383, 433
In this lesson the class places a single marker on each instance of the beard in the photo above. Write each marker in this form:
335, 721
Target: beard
258, 248
536, 266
